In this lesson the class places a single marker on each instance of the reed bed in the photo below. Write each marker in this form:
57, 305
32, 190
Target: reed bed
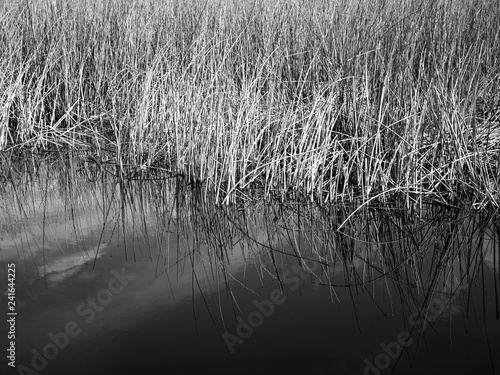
325, 100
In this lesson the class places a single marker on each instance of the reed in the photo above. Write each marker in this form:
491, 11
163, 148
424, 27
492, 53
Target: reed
327, 100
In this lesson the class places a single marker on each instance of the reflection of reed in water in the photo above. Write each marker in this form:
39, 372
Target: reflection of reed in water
414, 256
424, 259
491, 250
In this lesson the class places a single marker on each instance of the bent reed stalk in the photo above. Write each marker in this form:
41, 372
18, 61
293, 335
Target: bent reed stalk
324, 100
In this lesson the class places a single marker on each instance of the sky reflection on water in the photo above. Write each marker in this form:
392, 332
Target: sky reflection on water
199, 276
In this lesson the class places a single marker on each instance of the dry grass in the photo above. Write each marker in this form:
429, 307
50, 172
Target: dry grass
327, 100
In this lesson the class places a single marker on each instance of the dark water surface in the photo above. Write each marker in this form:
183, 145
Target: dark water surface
129, 279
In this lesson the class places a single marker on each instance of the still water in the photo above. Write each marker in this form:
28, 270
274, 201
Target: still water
140, 278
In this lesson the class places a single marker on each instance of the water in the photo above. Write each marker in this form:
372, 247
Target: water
134, 278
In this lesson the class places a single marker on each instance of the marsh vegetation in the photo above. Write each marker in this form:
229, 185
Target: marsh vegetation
342, 155
324, 100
